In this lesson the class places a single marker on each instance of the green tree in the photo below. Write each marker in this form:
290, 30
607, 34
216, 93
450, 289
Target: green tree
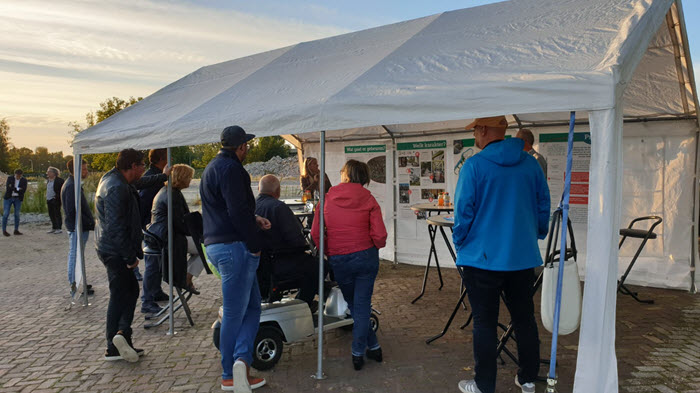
4, 146
204, 153
21, 158
264, 148
102, 161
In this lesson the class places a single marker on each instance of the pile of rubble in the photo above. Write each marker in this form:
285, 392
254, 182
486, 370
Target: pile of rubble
284, 168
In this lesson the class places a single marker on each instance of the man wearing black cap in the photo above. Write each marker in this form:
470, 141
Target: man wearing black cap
233, 245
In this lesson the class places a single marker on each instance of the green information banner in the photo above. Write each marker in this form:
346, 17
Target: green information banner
564, 137
421, 145
365, 149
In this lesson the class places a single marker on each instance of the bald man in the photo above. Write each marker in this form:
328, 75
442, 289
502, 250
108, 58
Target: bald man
501, 209
529, 139
286, 239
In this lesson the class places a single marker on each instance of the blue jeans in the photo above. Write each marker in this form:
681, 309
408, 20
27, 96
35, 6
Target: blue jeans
73, 239
484, 288
239, 285
152, 277
7, 203
355, 274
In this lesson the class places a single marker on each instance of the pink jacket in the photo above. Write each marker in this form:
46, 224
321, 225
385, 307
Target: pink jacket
353, 220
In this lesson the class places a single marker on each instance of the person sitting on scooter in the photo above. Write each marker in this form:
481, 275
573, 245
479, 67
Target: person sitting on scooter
354, 234
286, 240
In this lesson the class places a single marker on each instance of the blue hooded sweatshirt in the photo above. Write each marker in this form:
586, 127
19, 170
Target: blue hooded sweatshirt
501, 209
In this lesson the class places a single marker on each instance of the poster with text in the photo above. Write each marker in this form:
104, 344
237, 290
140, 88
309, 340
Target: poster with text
421, 173
553, 147
375, 157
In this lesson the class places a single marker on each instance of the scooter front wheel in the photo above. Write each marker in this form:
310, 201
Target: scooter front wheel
267, 349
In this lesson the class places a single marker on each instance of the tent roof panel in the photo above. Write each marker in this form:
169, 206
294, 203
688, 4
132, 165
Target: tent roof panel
521, 56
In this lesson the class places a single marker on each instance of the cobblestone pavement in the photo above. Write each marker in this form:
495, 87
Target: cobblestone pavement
44, 348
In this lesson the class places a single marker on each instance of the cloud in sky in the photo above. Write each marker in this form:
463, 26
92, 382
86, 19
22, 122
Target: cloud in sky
59, 59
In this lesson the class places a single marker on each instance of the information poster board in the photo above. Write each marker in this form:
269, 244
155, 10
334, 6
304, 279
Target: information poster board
553, 147
375, 157
463, 149
421, 173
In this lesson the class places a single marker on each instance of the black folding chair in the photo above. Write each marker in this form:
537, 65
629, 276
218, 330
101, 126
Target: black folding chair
156, 247
637, 234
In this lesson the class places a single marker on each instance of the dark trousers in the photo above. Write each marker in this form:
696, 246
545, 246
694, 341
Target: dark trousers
303, 269
55, 213
152, 278
355, 274
123, 294
484, 288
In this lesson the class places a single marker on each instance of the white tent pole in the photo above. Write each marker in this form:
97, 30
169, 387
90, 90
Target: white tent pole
322, 250
171, 330
79, 257
596, 365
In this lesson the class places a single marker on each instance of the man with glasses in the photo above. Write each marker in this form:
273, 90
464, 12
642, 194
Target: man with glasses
118, 244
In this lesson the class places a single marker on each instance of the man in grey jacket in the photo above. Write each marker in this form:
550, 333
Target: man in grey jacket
118, 244
527, 136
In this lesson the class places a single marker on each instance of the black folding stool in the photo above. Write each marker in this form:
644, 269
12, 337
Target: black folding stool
638, 234
183, 295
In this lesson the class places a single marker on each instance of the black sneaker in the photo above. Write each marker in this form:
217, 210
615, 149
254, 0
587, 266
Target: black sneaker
150, 308
18, 232
162, 297
138, 351
358, 362
111, 355
126, 351
375, 354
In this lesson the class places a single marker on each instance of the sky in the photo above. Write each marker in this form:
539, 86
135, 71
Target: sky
60, 59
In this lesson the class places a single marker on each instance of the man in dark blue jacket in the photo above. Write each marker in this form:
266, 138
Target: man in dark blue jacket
233, 245
15, 187
152, 276
501, 209
86, 219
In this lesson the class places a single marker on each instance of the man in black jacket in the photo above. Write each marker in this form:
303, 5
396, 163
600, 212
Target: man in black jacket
285, 239
119, 247
86, 219
15, 187
53, 198
233, 245
152, 276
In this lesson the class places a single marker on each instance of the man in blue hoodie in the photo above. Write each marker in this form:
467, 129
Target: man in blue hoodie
501, 209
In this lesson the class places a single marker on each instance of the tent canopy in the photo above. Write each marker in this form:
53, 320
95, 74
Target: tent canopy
522, 57
534, 60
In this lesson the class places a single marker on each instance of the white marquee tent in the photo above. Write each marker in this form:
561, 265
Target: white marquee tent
622, 65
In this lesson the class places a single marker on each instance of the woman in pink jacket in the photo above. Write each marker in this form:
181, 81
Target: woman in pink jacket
354, 234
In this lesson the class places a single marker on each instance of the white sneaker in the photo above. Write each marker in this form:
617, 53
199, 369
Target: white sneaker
528, 387
125, 351
51, 231
468, 386
57, 231
240, 378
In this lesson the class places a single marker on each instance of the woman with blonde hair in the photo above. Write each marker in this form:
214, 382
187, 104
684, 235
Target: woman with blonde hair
182, 242
354, 234
310, 179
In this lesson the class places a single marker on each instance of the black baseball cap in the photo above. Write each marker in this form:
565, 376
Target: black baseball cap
234, 136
